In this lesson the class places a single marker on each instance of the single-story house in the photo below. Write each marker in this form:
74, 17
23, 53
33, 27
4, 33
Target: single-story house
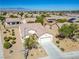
50, 19
72, 20
12, 21
34, 27
30, 20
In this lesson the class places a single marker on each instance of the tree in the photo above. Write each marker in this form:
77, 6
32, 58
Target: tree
68, 30
48, 15
26, 16
21, 14
4, 13
30, 42
13, 16
40, 19
2, 19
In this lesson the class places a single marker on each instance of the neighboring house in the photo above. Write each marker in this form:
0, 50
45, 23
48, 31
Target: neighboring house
72, 20
50, 19
30, 20
13, 21
76, 20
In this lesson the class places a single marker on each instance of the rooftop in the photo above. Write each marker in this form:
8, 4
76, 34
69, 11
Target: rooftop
37, 27
12, 19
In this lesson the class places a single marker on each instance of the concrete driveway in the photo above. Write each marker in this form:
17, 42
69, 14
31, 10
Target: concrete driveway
51, 50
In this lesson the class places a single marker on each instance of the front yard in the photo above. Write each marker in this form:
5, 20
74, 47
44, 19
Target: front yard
14, 48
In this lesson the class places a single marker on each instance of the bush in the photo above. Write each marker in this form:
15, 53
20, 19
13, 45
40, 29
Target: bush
13, 33
61, 20
13, 42
7, 30
4, 32
6, 38
31, 54
58, 46
9, 37
14, 38
57, 42
60, 36
62, 49
11, 51
7, 45
12, 30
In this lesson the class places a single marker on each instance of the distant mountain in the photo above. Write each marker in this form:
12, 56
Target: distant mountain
24, 9
14, 9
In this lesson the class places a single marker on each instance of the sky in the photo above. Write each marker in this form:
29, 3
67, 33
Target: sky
41, 4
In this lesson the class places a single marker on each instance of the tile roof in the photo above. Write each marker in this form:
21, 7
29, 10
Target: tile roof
37, 27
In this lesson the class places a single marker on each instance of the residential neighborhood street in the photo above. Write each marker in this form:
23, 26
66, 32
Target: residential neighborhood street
1, 48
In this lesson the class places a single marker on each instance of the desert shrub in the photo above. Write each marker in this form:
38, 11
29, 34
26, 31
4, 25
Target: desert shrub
7, 30
13, 33
62, 49
11, 51
12, 30
57, 42
58, 46
6, 38
13, 38
9, 37
4, 32
7, 45
60, 36
13, 42
31, 54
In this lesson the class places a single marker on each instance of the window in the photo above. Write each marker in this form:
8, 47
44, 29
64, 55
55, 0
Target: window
13, 23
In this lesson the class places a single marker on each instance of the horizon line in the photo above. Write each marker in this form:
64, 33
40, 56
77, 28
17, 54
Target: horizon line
18, 8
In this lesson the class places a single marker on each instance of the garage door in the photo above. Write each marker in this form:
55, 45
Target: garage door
45, 38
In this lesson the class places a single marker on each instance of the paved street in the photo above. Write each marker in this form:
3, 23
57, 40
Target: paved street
1, 48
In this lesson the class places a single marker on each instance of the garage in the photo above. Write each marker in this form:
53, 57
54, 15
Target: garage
45, 38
